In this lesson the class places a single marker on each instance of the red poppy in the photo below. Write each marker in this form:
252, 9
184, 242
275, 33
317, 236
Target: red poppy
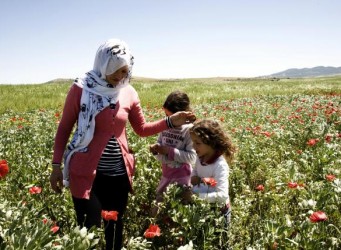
318, 217
4, 169
45, 220
330, 177
312, 142
152, 231
109, 215
35, 190
54, 229
209, 181
260, 188
292, 185
328, 138
266, 133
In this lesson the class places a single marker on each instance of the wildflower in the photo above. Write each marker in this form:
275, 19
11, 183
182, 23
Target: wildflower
292, 185
83, 232
266, 133
109, 215
209, 181
189, 246
45, 221
318, 217
9, 214
260, 188
54, 229
330, 177
4, 169
312, 142
35, 190
152, 231
328, 138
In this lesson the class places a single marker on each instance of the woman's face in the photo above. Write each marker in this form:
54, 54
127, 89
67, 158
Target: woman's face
117, 76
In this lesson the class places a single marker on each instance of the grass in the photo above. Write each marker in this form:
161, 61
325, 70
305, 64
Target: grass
152, 92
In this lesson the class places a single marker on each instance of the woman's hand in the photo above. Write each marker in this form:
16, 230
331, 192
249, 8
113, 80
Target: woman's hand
56, 179
182, 117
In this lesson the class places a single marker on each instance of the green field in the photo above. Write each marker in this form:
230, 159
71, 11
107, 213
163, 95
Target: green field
153, 92
288, 167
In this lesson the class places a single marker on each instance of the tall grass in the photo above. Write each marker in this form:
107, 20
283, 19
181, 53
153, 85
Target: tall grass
22, 98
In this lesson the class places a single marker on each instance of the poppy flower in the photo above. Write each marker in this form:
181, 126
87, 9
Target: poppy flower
152, 231
35, 190
266, 133
328, 138
109, 215
4, 169
209, 181
54, 229
292, 185
312, 142
318, 217
330, 177
260, 188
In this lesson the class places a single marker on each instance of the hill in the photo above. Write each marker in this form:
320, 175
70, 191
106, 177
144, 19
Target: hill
307, 72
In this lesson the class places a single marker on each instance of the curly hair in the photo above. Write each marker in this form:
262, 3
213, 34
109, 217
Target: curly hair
212, 134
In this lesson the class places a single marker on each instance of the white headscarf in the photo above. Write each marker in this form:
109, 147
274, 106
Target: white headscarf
97, 94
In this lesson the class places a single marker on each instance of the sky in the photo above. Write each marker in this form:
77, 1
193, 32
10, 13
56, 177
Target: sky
42, 40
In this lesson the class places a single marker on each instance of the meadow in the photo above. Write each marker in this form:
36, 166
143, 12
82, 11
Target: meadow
284, 182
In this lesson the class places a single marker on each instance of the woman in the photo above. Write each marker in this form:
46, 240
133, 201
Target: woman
98, 166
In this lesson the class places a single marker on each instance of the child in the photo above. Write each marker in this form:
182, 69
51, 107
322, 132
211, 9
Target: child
174, 147
211, 171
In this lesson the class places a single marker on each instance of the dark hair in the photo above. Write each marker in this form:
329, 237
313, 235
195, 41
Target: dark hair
177, 101
212, 134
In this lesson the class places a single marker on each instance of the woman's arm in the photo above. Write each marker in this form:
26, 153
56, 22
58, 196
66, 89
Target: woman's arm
67, 122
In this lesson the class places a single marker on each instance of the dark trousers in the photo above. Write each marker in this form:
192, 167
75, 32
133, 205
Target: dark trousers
108, 193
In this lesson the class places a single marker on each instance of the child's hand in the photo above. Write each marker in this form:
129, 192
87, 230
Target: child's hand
152, 149
195, 180
159, 149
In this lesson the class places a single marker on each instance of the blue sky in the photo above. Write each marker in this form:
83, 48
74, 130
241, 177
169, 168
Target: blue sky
43, 40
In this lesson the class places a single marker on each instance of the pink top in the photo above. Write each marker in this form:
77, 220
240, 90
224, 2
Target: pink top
109, 123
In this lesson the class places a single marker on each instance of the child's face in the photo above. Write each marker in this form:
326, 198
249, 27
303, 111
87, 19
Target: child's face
203, 150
